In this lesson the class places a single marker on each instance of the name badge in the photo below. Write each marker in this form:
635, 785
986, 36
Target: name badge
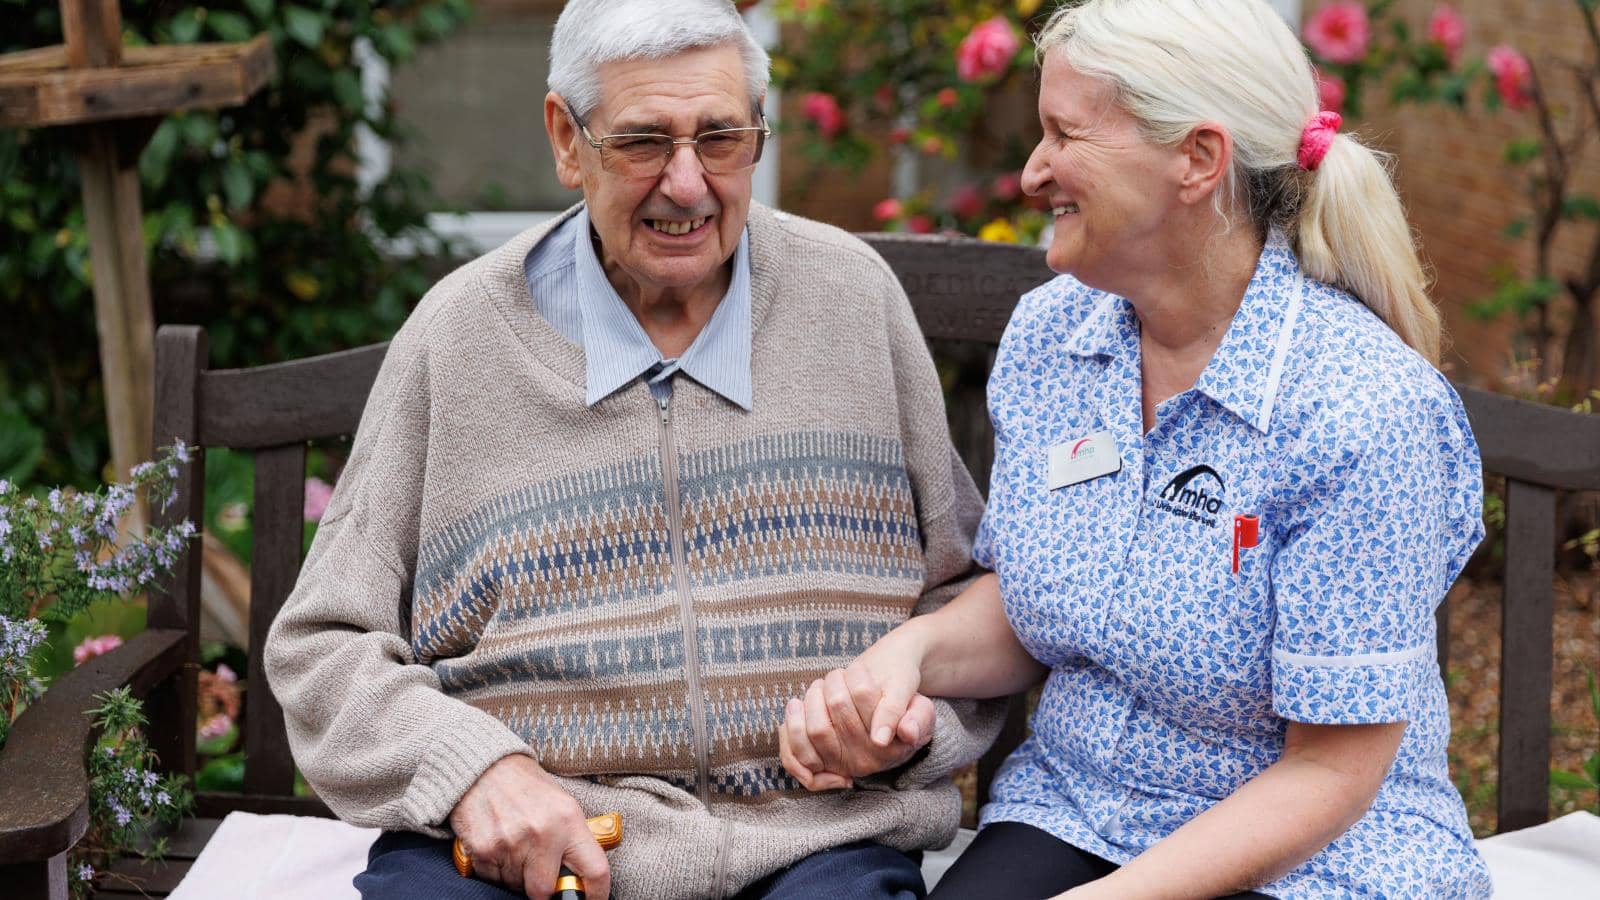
1083, 458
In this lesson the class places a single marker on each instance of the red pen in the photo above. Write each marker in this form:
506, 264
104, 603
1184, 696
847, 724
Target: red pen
1246, 534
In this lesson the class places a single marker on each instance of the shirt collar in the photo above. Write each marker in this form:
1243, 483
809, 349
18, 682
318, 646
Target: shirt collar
617, 350
1244, 374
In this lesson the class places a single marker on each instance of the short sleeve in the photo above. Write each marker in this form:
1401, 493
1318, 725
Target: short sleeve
1388, 509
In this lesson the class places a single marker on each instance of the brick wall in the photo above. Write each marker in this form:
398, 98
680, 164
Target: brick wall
1459, 192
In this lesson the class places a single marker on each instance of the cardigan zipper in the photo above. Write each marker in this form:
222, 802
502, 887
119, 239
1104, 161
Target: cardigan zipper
680, 576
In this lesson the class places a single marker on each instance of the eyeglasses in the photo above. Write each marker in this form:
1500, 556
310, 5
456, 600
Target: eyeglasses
723, 151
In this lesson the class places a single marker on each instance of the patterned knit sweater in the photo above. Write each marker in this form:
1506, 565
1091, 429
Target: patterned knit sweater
630, 595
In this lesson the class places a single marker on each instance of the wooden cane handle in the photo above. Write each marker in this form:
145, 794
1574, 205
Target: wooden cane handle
606, 828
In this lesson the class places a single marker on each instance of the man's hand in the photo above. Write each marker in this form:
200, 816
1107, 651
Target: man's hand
519, 826
860, 720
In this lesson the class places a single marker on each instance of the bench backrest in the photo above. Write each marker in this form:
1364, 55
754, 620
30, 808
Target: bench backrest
963, 291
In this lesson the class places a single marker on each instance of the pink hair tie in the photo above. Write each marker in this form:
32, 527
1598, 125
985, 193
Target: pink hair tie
1317, 138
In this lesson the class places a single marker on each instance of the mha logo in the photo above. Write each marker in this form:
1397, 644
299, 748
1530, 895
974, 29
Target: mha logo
1196, 494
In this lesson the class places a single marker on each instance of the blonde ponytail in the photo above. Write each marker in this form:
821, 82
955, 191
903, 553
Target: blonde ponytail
1351, 232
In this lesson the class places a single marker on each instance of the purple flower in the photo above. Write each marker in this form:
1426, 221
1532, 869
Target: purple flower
5, 487
150, 779
141, 470
162, 798
180, 450
86, 872
55, 500
77, 535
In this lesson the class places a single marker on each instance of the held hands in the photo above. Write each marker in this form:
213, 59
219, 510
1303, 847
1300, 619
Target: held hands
519, 826
859, 720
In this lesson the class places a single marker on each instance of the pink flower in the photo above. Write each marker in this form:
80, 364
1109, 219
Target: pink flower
919, 225
823, 111
947, 97
1340, 32
225, 673
884, 97
967, 202
1513, 76
318, 493
899, 135
986, 52
886, 209
1330, 91
1007, 186
216, 726
94, 646
1448, 30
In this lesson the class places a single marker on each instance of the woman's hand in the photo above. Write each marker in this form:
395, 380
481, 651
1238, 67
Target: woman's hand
861, 720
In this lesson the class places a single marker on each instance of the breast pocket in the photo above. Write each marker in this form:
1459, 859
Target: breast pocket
1188, 618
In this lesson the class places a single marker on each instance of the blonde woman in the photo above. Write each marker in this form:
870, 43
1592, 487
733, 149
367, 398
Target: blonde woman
1230, 488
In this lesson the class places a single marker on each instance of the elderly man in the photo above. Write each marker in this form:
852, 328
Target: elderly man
623, 487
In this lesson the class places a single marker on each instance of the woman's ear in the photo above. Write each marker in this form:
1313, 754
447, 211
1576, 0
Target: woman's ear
564, 141
1208, 155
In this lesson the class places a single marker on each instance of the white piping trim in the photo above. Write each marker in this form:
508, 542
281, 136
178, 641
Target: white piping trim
1394, 658
1280, 356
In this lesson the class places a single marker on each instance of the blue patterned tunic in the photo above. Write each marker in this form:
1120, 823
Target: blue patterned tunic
1173, 677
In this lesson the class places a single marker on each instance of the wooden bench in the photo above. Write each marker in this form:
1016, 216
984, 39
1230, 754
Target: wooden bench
963, 291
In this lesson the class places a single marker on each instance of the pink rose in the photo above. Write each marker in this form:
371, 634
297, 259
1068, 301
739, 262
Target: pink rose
986, 52
1340, 32
886, 210
318, 493
947, 97
94, 646
967, 202
1513, 76
823, 111
1448, 30
1007, 186
216, 726
919, 225
1330, 91
899, 135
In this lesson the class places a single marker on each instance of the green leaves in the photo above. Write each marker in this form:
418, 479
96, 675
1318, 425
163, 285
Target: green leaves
1517, 296
303, 25
1521, 151
230, 26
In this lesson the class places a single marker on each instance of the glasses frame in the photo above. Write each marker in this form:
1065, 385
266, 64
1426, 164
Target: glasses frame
763, 132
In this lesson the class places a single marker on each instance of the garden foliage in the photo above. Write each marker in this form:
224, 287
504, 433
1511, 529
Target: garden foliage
60, 558
255, 220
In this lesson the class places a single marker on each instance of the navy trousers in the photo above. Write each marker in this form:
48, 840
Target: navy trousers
406, 866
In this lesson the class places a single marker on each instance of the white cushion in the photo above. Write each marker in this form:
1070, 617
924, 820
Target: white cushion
255, 857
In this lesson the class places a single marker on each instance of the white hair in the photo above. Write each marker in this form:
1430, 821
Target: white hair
1177, 63
590, 33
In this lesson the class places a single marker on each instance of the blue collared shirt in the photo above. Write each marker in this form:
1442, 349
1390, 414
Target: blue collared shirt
1172, 675
570, 289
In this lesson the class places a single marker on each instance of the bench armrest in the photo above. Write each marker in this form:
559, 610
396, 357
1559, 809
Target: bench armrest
44, 787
